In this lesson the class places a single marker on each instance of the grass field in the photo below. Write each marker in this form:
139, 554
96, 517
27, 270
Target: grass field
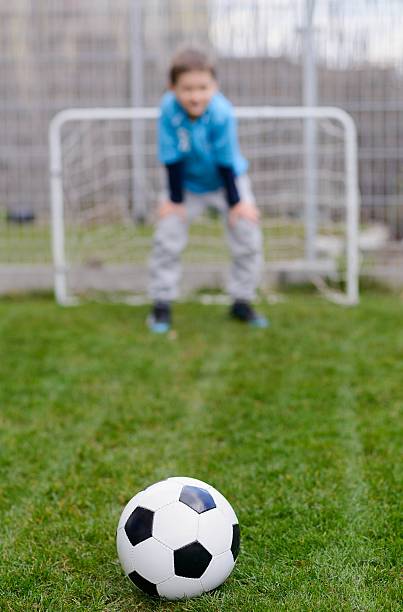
299, 426
118, 242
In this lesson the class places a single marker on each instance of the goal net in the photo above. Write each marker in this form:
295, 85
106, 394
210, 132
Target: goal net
105, 183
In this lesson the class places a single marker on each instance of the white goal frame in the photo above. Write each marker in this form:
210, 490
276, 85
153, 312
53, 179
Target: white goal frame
60, 264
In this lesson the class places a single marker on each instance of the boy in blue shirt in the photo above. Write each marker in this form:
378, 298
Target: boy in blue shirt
198, 144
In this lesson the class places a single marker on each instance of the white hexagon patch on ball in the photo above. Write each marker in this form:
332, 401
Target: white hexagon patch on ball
178, 538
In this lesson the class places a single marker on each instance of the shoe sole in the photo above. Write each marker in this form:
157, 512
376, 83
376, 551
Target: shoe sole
259, 323
157, 328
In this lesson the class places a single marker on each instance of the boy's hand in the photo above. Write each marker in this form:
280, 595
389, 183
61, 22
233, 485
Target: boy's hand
170, 208
244, 210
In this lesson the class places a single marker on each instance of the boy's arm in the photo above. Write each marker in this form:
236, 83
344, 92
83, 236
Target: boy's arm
170, 155
175, 181
238, 208
225, 146
174, 205
231, 190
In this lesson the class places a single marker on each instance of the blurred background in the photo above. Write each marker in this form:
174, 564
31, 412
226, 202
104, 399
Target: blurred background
57, 54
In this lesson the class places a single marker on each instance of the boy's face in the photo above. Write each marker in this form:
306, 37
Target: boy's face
194, 90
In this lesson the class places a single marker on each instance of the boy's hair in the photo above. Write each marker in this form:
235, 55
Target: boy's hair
189, 59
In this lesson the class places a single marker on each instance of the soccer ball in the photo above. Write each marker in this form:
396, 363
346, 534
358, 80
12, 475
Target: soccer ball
178, 538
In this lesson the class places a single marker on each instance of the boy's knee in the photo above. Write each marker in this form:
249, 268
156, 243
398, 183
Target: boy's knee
171, 234
246, 238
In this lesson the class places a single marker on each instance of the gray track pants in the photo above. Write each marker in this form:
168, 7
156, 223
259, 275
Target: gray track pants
171, 235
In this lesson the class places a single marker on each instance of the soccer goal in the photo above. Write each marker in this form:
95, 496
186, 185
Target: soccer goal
105, 182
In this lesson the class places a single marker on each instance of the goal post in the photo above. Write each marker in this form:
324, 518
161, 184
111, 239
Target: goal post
91, 177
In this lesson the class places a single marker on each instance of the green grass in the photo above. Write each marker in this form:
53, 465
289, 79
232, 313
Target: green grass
117, 242
299, 426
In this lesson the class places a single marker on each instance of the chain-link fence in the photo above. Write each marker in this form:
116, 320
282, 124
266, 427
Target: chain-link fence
85, 53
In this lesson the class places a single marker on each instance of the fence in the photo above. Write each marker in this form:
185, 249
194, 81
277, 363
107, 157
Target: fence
57, 54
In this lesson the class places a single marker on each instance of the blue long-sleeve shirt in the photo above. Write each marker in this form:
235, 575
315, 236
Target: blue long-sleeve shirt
201, 154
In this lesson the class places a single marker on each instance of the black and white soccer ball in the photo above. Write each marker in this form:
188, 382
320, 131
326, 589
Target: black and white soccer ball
178, 538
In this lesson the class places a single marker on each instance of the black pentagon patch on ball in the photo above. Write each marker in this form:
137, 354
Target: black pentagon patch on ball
196, 498
139, 525
236, 540
192, 560
143, 584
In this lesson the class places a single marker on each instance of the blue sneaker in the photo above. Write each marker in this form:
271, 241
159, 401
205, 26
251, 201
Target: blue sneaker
244, 312
159, 320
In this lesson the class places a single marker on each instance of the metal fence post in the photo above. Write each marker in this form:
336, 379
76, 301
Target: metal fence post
138, 182
310, 99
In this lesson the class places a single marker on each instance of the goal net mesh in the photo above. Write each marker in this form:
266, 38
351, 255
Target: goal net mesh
111, 179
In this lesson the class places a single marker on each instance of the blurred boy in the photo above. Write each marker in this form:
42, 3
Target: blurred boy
198, 144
